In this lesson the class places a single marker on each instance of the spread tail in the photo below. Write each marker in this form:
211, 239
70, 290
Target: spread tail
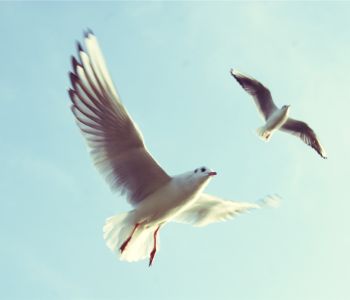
117, 230
263, 133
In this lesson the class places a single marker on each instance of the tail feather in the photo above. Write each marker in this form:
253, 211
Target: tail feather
263, 133
140, 246
118, 228
115, 229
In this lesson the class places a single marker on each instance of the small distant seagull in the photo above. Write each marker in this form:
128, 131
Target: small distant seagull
276, 118
119, 152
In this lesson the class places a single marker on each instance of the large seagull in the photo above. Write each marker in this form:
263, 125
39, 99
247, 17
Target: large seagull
119, 152
276, 118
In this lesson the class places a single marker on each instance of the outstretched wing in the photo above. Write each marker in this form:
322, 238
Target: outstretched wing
261, 95
305, 133
116, 143
210, 209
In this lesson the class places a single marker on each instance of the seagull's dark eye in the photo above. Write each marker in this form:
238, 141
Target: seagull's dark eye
203, 169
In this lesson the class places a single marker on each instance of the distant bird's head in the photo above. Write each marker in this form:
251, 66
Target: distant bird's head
285, 107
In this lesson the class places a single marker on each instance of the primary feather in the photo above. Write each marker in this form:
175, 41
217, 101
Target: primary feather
116, 143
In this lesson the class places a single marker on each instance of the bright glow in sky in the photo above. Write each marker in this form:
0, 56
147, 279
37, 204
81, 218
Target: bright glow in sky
170, 63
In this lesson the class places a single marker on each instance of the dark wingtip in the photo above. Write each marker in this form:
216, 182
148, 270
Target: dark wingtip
71, 93
321, 153
79, 47
75, 63
72, 76
87, 32
73, 79
232, 72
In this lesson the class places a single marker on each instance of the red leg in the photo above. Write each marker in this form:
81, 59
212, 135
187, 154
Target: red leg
123, 246
153, 253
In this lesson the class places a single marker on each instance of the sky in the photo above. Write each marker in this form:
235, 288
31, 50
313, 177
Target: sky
170, 62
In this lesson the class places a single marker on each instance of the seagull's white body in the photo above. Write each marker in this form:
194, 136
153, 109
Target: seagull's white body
160, 207
273, 123
164, 204
119, 152
276, 118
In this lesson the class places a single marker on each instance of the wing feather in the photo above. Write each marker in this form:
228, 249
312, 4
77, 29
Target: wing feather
116, 144
305, 133
261, 95
210, 209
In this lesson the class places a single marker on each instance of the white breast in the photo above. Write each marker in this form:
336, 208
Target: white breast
277, 119
165, 203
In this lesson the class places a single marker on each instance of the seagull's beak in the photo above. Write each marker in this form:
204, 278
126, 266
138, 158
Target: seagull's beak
212, 173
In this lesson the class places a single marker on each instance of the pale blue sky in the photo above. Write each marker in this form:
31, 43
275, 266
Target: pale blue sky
170, 62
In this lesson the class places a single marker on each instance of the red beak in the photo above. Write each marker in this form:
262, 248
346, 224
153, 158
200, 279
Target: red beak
212, 173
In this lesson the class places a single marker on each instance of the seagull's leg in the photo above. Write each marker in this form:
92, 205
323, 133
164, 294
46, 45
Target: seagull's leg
123, 246
153, 252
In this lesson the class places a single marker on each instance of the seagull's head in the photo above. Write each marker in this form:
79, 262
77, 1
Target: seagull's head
203, 173
286, 107
197, 178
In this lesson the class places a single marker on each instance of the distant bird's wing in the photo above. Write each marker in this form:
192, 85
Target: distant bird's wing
116, 143
260, 93
210, 209
307, 135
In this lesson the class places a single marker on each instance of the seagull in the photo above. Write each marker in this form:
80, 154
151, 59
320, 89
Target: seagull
276, 118
119, 153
